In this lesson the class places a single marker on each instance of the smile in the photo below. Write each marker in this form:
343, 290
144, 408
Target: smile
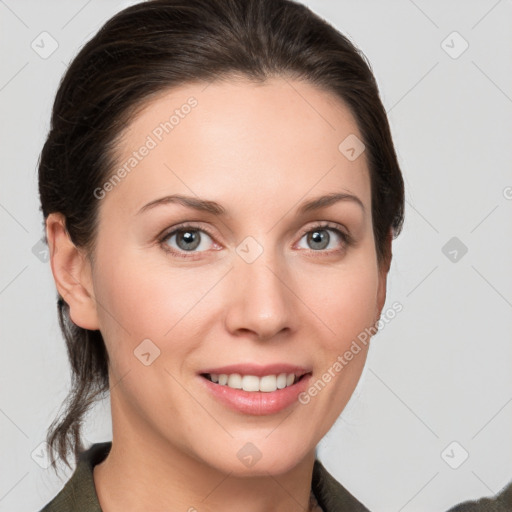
256, 390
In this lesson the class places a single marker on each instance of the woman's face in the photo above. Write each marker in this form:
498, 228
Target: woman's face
259, 287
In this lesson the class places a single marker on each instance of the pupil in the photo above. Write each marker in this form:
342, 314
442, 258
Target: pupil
317, 238
191, 238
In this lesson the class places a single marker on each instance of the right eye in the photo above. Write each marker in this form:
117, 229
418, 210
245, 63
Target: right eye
186, 239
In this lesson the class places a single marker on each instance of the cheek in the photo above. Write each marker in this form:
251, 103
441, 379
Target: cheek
346, 304
137, 299
146, 298
343, 299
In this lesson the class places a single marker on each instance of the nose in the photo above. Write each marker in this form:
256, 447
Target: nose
261, 302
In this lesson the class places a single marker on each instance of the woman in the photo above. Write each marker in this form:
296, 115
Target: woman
220, 192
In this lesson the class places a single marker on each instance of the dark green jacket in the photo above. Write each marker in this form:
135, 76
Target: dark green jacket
79, 493
500, 503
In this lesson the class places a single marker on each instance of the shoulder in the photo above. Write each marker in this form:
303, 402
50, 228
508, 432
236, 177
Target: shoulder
502, 502
79, 493
330, 494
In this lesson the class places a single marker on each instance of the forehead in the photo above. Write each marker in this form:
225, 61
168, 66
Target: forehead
241, 142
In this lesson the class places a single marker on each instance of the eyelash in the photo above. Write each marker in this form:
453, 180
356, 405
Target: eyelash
346, 238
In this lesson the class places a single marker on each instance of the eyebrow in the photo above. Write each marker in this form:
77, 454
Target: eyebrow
215, 208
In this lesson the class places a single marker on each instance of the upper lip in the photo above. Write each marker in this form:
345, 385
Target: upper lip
258, 370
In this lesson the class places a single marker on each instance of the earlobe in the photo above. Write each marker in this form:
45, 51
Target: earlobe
72, 273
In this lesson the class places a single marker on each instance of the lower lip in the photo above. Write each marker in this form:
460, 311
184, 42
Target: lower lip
257, 403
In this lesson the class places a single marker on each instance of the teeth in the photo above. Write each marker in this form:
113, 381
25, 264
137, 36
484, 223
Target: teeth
235, 381
250, 382
281, 380
266, 384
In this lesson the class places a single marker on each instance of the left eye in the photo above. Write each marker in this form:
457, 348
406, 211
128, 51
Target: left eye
319, 238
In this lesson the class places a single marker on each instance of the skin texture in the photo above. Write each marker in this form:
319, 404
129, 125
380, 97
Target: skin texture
260, 150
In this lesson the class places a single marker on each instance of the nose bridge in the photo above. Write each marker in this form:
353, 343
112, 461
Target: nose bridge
261, 301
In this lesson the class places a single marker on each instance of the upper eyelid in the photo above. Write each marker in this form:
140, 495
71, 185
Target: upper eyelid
182, 227
323, 225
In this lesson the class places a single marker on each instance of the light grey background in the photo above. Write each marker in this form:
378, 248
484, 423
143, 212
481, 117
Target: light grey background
439, 372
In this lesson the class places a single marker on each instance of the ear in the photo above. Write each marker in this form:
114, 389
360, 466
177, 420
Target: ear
383, 275
72, 273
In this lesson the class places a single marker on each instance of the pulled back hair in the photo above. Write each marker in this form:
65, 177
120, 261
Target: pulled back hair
149, 48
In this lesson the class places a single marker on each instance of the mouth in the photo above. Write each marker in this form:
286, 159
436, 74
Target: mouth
255, 390
253, 383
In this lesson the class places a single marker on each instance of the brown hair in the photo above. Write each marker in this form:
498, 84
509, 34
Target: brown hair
156, 45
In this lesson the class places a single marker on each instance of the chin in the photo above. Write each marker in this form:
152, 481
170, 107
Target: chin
263, 456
